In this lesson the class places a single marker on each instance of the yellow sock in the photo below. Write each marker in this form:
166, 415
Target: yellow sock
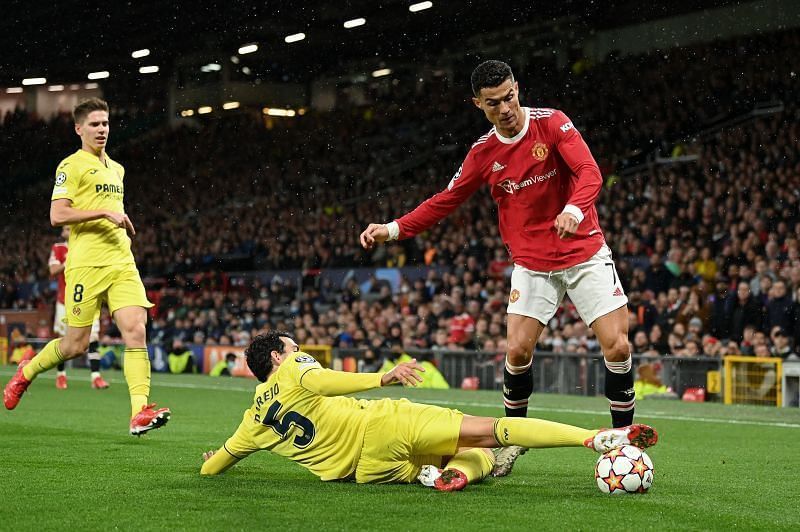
538, 433
137, 373
48, 357
475, 463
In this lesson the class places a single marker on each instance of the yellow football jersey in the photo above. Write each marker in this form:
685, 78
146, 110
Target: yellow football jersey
323, 434
92, 185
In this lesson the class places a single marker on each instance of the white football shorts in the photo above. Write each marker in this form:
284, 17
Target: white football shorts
593, 286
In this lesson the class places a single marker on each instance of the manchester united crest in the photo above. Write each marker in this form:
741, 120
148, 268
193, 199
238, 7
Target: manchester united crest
514, 295
540, 151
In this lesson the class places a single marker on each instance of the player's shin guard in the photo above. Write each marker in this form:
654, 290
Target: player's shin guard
538, 433
476, 464
48, 358
137, 373
620, 393
94, 357
517, 388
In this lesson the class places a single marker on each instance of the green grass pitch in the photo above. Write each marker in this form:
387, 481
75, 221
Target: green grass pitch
67, 462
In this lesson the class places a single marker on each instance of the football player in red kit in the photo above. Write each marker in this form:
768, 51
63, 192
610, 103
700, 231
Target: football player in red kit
544, 181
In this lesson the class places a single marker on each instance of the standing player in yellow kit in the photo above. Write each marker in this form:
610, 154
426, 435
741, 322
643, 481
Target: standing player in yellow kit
88, 196
298, 413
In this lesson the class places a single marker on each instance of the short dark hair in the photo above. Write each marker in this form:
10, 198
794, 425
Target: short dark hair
490, 74
259, 352
82, 110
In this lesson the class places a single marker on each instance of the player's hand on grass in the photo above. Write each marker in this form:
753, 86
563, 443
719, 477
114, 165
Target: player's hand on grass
120, 219
566, 225
406, 373
207, 455
374, 234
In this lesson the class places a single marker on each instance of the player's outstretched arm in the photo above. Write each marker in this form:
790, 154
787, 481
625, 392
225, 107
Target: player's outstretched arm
330, 383
217, 462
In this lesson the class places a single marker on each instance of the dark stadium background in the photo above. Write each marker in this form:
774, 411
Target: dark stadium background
249, 221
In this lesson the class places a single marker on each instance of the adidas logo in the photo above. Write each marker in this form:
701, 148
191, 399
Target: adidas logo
617, 292
496, 167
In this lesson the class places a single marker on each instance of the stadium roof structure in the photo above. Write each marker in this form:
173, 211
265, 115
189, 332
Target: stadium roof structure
66, 40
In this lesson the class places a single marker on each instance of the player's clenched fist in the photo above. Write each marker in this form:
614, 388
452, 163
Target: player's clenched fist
374, 233
566, 225
406, 373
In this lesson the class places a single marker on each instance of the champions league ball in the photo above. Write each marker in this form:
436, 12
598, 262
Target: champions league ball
627, 469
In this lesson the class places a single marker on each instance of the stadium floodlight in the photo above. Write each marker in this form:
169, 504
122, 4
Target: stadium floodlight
55, 88
34, 81
294, 37
234, 60
144, 52
246, 70
187, 112
248, 49
13, 90
354, 23
151, 69
204, 110
421, 6
381, 72
230, 105
74, 87
90, 86
103, 74
211, 67
275, 111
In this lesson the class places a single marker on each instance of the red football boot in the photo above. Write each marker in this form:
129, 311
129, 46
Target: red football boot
61, 382
451, 480
16, 387
99, 383
148, 419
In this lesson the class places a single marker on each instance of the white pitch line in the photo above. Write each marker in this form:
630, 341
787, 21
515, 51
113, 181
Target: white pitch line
654, 415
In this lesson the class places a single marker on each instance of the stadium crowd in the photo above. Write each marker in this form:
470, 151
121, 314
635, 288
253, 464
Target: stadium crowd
707, 246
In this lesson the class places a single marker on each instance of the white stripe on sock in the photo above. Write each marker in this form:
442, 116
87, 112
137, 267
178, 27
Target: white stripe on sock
516, 370
619, 367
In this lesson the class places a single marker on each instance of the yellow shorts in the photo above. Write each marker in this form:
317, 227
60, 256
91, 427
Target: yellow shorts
87, 288
402, 437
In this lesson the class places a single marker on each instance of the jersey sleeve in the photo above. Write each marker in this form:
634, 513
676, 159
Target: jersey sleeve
573, 150
67, 181
297, 365
328, 382
241, 445
53, 259
464, 183
237, 447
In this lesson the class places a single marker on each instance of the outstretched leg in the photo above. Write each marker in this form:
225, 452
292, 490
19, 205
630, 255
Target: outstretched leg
73, 345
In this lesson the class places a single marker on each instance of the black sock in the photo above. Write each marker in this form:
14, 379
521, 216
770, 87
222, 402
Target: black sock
60, 366
620, 394
94, 357
516, 391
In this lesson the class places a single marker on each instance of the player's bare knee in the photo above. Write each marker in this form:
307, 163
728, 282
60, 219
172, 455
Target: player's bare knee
72, 348
134, 334
618, 351
518, 354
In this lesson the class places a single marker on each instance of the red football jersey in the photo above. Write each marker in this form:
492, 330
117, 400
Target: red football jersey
58, 255
532, 177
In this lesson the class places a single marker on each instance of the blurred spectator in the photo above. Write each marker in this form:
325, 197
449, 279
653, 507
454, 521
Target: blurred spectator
180, 358
223, 368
